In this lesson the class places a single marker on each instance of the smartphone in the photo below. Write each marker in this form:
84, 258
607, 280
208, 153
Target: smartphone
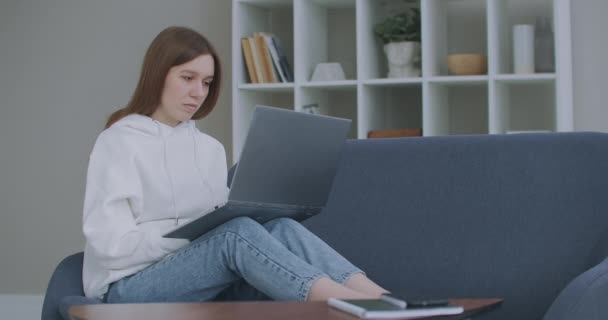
412, 304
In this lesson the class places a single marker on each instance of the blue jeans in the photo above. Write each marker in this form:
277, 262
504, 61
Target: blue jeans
239, 260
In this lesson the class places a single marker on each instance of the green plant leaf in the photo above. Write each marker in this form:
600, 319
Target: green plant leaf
403, 26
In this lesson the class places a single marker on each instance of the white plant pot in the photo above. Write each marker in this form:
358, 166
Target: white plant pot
403, 59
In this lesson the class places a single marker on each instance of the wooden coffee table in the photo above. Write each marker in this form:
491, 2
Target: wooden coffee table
245, 310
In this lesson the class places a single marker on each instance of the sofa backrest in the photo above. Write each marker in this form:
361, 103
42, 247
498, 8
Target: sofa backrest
510, 216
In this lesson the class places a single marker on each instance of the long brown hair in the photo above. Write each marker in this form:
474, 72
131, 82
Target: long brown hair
171, 47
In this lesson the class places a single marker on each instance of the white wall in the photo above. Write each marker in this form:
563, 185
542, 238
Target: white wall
66, 64
590, 64
23, 307
216, 24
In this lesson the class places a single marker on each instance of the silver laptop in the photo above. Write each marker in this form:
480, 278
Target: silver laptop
286, 169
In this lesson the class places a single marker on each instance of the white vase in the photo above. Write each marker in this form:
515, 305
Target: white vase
403, 59
523, 48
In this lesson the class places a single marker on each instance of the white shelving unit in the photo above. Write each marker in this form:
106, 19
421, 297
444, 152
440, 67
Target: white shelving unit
316, 31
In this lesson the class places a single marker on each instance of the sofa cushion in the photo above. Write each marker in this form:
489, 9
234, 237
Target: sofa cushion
584, 298
509, 216
600, 251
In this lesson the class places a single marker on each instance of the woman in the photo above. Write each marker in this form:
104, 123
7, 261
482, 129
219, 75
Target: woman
152, 170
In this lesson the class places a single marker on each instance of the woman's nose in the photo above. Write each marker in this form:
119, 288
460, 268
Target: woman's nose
198, 90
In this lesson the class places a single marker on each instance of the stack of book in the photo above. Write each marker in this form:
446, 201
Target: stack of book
265, 59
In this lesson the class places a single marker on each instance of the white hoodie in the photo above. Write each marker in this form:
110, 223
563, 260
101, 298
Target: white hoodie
144, 179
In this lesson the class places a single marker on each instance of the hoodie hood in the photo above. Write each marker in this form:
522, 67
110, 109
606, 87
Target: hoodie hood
147, 126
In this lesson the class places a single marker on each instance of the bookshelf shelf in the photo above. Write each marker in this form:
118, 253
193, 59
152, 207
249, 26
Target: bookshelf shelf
321, 31
330, 84
455, 80
396, 82
269, 87
514, 78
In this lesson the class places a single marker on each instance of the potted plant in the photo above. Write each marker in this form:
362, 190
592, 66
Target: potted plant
400, 34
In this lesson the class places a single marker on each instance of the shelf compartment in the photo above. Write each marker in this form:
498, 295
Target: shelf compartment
372, 59
389, 107
524, 106
451, 27
455, 108
325, 34
272, 16
503, 15
338, 102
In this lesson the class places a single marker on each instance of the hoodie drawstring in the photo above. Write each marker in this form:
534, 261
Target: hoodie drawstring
174, 206
198, 167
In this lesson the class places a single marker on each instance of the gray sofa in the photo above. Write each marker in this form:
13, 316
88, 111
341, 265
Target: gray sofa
521, 217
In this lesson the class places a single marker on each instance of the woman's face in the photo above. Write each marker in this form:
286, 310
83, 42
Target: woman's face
186, 88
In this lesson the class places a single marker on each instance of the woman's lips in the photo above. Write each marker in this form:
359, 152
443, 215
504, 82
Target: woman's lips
191, 107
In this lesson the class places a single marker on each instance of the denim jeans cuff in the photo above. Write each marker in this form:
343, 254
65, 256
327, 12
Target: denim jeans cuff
305, 288
346, 275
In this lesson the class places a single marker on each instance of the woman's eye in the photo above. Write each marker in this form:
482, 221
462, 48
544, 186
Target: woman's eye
207, 83
187, 78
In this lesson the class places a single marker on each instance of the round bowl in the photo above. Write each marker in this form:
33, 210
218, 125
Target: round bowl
467, 64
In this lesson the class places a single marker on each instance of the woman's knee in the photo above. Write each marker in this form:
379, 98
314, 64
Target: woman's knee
233, 231
241, 224
280, 224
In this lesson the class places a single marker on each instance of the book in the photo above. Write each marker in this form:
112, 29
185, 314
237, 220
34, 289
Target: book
257, 60
275, 56
390, 308
265, 57
247, 55
283, 59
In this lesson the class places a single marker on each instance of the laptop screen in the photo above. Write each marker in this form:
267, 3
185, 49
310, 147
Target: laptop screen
289, 158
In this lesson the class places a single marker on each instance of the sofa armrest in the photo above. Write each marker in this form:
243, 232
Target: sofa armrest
584, 298
65, 281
